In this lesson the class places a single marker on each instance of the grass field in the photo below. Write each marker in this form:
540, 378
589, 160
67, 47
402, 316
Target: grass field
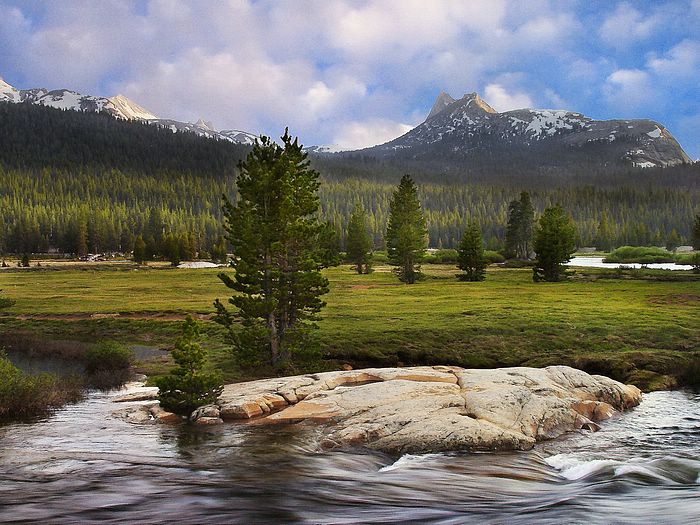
642, 330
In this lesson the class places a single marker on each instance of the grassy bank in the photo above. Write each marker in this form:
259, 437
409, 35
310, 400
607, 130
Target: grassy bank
641, 329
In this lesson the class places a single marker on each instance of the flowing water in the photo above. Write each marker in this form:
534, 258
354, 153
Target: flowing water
83, 465
597, 262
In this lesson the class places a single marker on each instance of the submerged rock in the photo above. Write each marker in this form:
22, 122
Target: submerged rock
424, 409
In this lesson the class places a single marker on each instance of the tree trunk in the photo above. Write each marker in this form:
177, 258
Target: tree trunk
274, 339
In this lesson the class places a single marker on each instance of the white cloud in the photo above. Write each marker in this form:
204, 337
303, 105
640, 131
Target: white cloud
497, 97
357, 135
683, 60
627, 25
629, 90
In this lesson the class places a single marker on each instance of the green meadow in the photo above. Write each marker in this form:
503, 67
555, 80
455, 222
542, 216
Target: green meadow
640, 327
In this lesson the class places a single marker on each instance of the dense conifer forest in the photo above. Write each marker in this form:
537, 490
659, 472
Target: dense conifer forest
83, 182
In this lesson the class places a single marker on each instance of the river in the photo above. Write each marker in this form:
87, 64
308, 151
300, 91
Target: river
81, 464
597, 262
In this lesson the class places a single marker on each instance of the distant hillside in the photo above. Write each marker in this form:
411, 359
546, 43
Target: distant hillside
71, 179
35, 137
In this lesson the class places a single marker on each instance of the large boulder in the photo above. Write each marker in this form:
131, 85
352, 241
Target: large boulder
423, 409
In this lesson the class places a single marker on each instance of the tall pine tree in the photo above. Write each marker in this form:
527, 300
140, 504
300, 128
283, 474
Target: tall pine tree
406, 234
359, 243
695, 235
274, 233
521, 217
471, 255
554, 244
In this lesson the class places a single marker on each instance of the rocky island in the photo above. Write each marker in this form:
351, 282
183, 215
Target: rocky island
423, 409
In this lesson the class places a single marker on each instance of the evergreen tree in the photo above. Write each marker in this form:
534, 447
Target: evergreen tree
328, 245
359, 243
139, 250
471, 255
188, 386
274, 231
673, 241
554, 244
172, 248
603, 238
695, 236
406, 234
521, 216
219, 252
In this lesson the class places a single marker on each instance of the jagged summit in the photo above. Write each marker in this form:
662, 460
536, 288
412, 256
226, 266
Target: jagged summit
473, 100
470, 101
205, 124
441, 102
131, 110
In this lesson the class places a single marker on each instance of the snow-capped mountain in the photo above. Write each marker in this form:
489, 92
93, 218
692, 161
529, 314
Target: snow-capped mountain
119, 107
469, 126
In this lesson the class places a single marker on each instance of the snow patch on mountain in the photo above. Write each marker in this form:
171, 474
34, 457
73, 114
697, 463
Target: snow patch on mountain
655, 134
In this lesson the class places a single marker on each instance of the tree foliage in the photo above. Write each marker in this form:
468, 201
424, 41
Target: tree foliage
274, 233
189, 386
521, 217
471, 258
406, 234
554, 244
359, 242
695, 235
80, 183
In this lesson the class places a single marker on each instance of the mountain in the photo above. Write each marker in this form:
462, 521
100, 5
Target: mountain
119, 107
469, 129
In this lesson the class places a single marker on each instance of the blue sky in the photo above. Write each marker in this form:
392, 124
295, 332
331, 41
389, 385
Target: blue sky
357, 73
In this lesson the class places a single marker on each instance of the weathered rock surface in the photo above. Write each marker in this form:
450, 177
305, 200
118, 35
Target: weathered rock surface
425, 409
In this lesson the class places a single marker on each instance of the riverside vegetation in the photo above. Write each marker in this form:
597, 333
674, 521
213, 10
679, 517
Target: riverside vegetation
635, 326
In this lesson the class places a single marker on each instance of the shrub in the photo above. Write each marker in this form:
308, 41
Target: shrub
107, 356
24, 396
442, 256
640, 255
493, 257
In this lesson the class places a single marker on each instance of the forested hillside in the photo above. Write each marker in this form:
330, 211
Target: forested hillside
73, 181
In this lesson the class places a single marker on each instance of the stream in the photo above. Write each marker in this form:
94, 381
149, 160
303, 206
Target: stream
82, 464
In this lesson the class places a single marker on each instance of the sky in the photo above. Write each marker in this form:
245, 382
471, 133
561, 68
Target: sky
359, 73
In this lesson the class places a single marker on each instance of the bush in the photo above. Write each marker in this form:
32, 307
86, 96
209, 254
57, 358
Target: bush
24, 396
493, 257
640, 255
107, 356
443, 256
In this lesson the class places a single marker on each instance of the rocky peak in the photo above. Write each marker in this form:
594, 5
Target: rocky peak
129, 109
205, 124
441, 102
475, 102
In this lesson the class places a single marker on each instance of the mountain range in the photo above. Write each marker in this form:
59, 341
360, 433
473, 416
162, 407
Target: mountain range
465, 131
469, 128
118, 106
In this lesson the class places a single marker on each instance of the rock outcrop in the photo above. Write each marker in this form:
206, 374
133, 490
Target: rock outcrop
427, 409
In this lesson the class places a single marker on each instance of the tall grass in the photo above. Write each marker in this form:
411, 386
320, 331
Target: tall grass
24, 396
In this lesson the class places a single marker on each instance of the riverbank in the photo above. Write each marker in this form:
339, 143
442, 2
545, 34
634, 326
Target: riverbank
82, 465
640, 330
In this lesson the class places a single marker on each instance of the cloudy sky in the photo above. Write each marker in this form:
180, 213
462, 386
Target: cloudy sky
356, 73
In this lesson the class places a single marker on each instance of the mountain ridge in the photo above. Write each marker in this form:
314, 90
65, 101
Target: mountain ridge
118, 106
468, 127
